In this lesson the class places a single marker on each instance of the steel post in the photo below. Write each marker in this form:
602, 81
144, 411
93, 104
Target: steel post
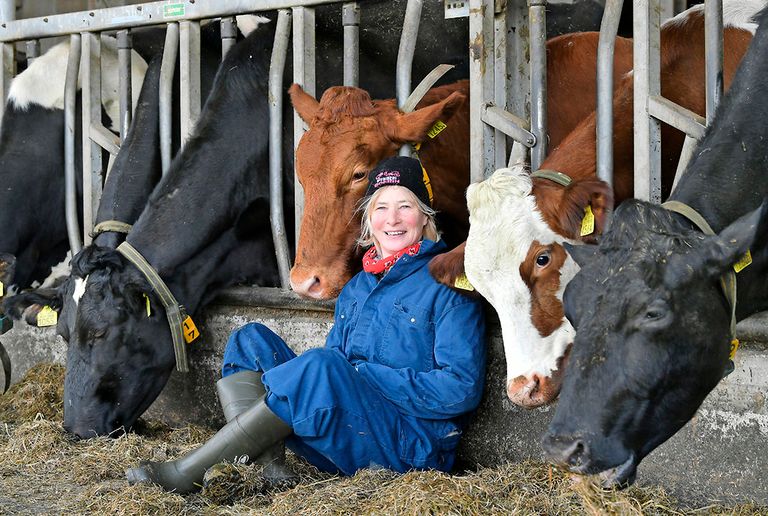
124, 46
277, 219
189, 73
481, 135
405, 56
90, 75
33, 51
609, 27
70, 97
351, 20
713, 44
228, 34
538, 33
167, 69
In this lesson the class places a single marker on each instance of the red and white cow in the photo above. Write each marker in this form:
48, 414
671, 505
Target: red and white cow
514, 255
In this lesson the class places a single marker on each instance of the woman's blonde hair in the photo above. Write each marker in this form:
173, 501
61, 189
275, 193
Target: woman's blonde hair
366, 233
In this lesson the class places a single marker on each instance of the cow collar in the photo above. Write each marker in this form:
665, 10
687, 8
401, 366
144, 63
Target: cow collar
111, 225
173, 310
727, 280
553, 175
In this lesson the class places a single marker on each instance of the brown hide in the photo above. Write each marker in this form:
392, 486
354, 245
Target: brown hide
571, 96
682, 81
348, 135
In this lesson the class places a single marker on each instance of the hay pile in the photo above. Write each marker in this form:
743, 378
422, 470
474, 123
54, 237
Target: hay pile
42, 470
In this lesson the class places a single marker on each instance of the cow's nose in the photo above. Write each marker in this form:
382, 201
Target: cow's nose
309, 287
571, 451
533, 390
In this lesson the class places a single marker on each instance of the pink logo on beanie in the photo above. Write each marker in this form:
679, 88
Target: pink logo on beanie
387, 178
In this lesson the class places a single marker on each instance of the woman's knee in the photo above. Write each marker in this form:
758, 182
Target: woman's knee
254, 347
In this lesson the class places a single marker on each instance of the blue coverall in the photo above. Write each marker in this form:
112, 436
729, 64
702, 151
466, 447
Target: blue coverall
402, 367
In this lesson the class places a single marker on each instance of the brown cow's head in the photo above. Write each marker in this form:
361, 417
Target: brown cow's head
348, 135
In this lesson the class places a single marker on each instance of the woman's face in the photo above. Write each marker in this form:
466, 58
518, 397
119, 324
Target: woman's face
396, 220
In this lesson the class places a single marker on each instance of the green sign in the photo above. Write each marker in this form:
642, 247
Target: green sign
173, 10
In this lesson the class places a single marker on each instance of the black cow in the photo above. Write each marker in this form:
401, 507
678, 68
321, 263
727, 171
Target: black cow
653, 325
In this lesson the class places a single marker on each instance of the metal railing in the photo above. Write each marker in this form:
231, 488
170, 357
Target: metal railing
183, 40
650, 108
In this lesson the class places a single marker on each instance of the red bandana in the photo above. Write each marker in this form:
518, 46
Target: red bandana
382, 265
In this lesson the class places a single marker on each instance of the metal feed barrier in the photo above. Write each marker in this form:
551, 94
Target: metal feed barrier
183, 39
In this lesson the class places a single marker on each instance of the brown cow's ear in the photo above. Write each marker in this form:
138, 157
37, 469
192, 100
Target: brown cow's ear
585, 209
305, 104
413, 127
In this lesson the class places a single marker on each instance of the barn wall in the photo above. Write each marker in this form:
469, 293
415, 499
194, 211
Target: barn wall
719, 455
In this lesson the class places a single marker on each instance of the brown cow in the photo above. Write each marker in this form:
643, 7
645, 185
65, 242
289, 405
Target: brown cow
516, 260
349, 133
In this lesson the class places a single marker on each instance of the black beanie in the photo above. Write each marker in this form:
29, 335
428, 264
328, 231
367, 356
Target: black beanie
401, 171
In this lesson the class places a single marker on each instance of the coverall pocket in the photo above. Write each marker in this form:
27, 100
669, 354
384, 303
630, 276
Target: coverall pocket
408, 339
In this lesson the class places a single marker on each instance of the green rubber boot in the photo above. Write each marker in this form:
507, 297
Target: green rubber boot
239, 391
248, 435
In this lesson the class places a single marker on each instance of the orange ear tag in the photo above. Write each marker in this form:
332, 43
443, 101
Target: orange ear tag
588, 222
734, 347
1, 289
436, 129
190, 330
743, 263
463, 283
47, 317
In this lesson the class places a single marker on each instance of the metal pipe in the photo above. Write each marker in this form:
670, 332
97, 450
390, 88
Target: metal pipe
647, 83
167, 69
350, 17
609, 27
537, 21
713, 44
228, 34
677, 116
124, 46
189, 77
90, 79
689, 146
33, 50
500, 81
481, 135
405, 57
139, 15
509, 124
70, 96
303, 74
7, 51
276, 217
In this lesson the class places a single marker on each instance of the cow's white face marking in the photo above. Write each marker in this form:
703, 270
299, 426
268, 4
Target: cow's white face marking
43, 82
504, 222
59, 271
248, 23
79, 289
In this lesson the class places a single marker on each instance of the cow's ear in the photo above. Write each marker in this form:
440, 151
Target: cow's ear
448, 269
94, 257
581, 254
719, 253
7, 268
585, 209
413, 127
305, 104
28, 304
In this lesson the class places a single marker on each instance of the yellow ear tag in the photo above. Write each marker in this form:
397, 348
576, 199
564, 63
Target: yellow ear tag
744, 262
47, 317
1, 289
149, 308
463, 283
190, 330
734, 347
436, 129
588, 222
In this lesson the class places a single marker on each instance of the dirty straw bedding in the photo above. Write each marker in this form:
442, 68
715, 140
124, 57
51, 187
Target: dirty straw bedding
43, 471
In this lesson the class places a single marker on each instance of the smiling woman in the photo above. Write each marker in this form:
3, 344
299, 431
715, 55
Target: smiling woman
402, 367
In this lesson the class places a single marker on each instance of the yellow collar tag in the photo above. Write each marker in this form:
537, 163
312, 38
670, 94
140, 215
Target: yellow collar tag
1, 289
190, 330
463, 283
149, 308
436, 129
588, 222
47, 317
734, 347
743, 263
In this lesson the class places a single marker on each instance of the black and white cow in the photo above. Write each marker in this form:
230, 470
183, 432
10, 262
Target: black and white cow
34, 236
652, 323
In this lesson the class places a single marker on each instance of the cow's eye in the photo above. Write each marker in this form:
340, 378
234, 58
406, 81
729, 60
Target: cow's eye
543, 259
359, 175
656, 314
